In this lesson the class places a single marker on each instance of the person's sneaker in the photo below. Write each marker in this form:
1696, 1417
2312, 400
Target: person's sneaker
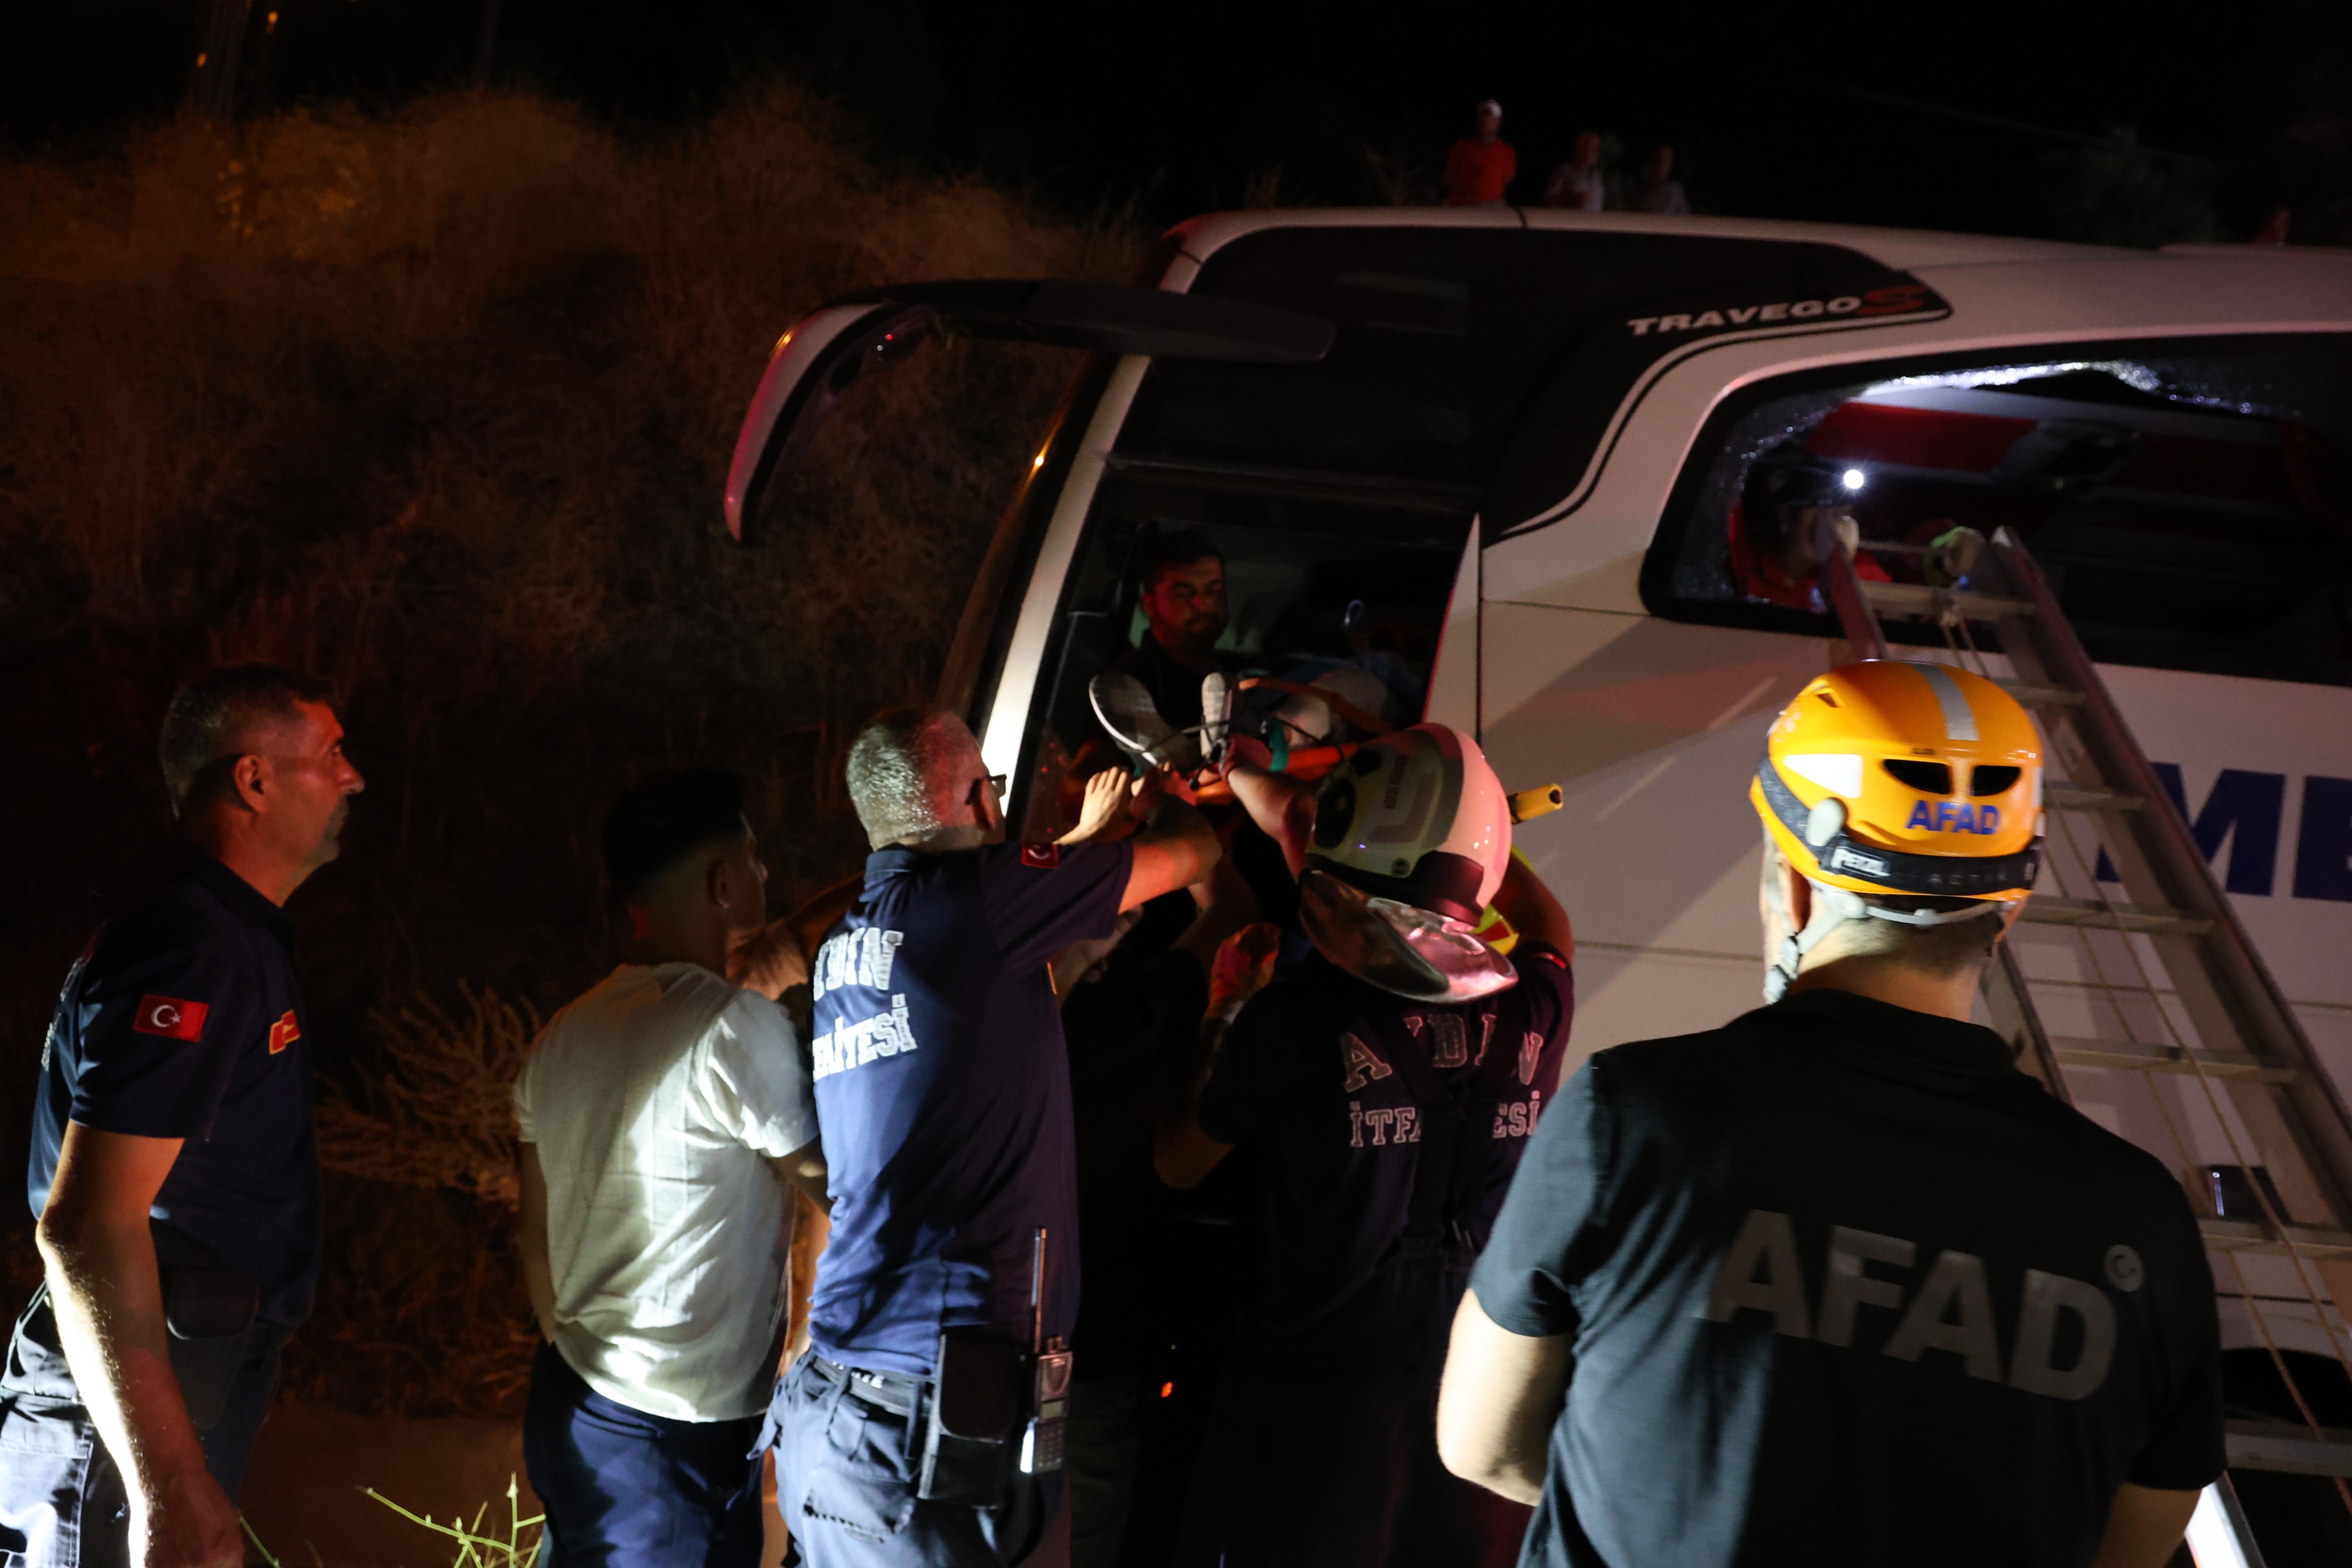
1131, 717
1217, 693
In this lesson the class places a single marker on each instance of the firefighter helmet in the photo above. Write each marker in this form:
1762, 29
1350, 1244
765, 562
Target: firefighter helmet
1903, 779
1412, 836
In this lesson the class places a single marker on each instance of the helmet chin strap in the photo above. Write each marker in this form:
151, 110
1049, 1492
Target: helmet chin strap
1834, 907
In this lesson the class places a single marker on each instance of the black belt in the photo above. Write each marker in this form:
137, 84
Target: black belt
890, 1391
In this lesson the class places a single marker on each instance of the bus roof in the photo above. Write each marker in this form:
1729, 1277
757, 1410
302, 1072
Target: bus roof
1904, 249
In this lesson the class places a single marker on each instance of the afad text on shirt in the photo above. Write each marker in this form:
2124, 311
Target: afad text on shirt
1952, 1310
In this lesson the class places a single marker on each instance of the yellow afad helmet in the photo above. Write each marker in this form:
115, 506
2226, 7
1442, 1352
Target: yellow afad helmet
1919, 779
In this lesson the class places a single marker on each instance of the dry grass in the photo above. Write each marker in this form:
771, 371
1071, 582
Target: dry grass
442, 1114
440, 404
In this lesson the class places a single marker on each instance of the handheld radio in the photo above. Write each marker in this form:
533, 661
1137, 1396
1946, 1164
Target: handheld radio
1049, 1401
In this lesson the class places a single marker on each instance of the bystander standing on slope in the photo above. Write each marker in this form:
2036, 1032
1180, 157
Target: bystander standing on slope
1661, 192
1480, 166
1580, 185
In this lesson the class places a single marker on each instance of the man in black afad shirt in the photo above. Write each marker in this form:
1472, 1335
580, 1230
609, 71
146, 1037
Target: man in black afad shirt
1387, 1099
1836, 1283
172, 1172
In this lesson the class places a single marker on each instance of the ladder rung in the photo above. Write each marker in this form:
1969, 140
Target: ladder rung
2284, 1445
2088, 797
1918, 599
2252, 1236
2044, 909
2078, 1052
2037, 696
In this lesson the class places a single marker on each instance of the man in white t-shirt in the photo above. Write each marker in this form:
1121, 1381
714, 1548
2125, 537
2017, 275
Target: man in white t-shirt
662, 1114
1580, 184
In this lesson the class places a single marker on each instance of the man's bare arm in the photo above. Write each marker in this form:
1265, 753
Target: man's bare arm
804, 1168
2144, 1527
530, 1237
1282, 807
1182, 1155
1183, 1152
108, 1295
1495, 1408
1176, 850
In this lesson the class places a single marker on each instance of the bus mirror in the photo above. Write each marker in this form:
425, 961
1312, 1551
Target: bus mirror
815, 363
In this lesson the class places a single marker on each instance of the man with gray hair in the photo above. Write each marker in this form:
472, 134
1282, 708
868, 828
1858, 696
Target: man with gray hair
943, 1097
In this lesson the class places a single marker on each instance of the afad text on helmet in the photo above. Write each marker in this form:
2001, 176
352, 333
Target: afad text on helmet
1950, 817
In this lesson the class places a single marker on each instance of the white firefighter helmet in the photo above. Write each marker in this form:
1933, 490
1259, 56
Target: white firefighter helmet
1412, 836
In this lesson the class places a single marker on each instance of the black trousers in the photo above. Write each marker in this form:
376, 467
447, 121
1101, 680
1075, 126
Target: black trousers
1322, 1449
62, 1501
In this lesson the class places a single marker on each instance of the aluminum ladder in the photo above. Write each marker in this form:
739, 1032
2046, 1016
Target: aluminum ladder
2227, 1039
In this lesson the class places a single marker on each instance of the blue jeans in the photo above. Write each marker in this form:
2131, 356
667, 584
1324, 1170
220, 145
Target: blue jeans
626, 1490
846, 1483
62, 1500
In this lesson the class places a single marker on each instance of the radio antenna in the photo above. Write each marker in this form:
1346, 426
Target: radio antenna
1037, 1294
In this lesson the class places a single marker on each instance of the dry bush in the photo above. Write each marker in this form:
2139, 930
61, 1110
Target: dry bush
441, 1114
440, 404
421, 1306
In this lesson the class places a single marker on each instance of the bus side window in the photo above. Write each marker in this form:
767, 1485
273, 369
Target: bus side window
2192, 512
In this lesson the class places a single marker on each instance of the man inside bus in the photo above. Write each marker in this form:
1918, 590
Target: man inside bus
1180, 584
1837, 1283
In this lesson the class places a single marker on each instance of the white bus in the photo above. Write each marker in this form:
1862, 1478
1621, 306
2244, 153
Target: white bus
1521, 477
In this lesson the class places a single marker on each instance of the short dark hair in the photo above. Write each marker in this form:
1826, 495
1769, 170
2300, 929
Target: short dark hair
660, 822
210, 714
1159, 552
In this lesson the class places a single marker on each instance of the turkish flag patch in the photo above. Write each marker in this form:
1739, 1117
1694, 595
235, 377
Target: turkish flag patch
170, 1017
284, 1033
1045, 857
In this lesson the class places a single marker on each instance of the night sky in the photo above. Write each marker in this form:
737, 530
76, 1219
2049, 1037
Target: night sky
1177, 109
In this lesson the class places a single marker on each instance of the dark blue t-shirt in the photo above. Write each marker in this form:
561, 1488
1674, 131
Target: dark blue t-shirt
943, 1096
181, 1020
1306, 1071
1843, 1286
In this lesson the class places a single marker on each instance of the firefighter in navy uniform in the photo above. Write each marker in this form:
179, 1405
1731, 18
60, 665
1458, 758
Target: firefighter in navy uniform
172, 1172
1389, 1086
1837, 1283
943, 1094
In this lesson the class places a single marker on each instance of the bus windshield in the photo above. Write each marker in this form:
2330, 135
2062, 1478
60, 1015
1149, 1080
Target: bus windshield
1336, 596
